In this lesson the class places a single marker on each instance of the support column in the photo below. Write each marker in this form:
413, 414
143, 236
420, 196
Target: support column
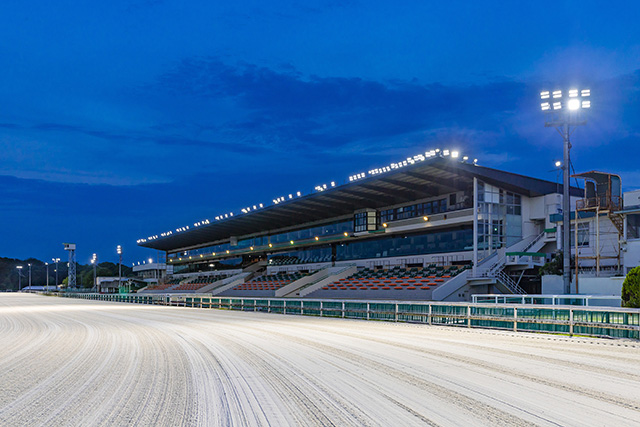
566, 211
475, 226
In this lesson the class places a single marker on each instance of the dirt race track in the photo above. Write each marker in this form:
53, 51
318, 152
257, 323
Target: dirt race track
78, 362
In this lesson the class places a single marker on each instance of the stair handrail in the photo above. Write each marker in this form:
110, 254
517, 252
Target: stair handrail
534, 241
510, 283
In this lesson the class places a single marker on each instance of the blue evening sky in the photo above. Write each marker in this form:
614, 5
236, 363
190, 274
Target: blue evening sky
124, 119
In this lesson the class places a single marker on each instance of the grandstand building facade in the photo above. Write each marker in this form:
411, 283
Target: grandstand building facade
436, 226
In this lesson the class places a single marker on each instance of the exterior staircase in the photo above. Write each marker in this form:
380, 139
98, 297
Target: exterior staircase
491, 269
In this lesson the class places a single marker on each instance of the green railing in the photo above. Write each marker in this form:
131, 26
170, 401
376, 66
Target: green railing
558, 319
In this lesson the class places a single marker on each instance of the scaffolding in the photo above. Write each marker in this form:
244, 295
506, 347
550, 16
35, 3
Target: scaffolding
602, 201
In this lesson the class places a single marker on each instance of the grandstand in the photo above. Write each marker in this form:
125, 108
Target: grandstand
435, 226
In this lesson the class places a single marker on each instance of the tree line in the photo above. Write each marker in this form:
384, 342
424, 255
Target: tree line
84, 273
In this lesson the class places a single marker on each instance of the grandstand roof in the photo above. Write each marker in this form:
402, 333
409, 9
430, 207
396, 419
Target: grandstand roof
429, 178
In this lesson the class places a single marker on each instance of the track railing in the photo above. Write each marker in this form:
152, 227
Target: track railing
566, 320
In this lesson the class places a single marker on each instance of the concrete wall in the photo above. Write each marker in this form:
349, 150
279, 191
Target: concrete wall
632, 254
631, 198
600, 285
552, 285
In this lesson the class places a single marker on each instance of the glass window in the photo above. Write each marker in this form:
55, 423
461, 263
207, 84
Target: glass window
583, 234
633, 226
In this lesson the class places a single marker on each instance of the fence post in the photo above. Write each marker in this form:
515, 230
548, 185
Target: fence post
468, 316
301, 308
343, 309
396, 313
515, 319
368, 311
321, 309
571, 322
429, 315
284, 307
268, 306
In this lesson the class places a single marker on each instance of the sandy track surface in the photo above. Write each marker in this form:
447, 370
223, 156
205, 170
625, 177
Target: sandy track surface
77, 362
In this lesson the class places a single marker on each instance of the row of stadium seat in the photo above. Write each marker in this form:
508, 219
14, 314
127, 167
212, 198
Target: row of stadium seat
270, 282
395, 279
199, 282
296, 260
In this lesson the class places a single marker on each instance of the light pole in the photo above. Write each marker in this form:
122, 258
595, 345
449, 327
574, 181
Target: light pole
47, 287
119, 250
558, 165
564, 115
19, 267
94, 261
56, 260
29, 275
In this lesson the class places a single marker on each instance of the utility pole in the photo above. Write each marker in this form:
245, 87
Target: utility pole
119, 250
94, 261
56, 260
19, 267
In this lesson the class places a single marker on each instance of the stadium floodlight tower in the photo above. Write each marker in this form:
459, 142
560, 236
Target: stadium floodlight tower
71, 247
563, 112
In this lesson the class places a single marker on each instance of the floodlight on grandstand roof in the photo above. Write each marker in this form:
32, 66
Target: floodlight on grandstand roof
558, 163
455, 154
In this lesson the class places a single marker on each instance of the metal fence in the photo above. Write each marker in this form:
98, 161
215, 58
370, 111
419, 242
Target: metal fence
569, 320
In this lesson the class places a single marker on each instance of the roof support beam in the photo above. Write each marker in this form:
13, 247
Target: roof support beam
390, 192
368, 196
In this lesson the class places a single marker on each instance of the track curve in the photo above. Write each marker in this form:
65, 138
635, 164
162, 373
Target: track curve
78, 362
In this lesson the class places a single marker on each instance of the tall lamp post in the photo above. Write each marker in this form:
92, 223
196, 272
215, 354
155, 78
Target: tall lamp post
119, 250
47, 278
563, 113
29, 275
94, 262
19, 267
56, 260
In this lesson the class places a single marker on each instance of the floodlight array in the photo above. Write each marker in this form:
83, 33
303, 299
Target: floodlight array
575, 100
